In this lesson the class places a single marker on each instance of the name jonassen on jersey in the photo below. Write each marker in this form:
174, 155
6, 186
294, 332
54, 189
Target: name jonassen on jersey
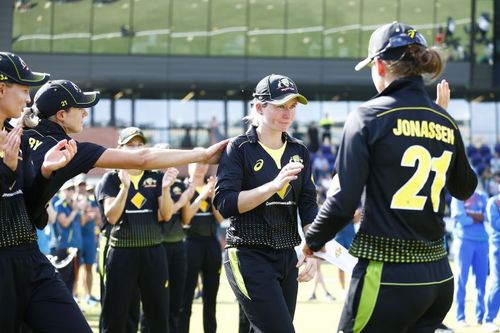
424, 129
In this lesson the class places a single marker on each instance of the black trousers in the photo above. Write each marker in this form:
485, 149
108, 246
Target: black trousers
264, 281
32, 292
204, 256
397, 298
177, 270
68, 273
130, 272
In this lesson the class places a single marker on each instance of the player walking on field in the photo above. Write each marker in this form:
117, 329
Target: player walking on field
404, 149
263, 181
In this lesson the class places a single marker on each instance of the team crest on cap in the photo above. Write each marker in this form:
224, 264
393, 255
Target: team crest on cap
3, 77
23, 64
296, 158
76, 87
149, 182
285, 84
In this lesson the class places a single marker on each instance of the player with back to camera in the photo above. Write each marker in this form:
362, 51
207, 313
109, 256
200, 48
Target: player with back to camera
404, 149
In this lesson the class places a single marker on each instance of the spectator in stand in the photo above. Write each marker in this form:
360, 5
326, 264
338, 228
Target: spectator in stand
321, 166
495, 163
326, 123
313, 135
471, 250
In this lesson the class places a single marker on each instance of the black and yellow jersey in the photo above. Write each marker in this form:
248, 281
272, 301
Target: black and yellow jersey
138, 226
406, 150
40, 140
203, 223
247, 164
172, 230
16, 188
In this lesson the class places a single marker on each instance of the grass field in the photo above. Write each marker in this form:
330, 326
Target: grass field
320, 316
277, 28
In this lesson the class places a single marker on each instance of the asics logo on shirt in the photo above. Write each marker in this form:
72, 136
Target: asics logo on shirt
258, 165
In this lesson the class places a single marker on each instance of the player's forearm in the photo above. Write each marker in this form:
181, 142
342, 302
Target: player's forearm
250, 199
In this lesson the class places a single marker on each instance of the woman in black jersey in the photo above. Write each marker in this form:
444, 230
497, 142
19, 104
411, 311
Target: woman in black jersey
134, 203
403, 149
59, 110
263, 180
175, 246
200, 220
31, 291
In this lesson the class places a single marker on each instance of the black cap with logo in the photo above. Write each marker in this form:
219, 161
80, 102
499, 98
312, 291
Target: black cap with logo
14, 69
129, 133
62, 94
389, 42
277, 90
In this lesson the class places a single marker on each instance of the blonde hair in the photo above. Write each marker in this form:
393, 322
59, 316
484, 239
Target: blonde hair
419, 60
253, 118
30, 116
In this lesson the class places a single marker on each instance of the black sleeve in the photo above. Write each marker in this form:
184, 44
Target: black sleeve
110, 186
84, 160
159, 182
352, 168
308, 207
229, 180
7, 177
462, 180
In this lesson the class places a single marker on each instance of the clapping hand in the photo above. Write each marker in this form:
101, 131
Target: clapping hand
443, 94
9, 147
169, 177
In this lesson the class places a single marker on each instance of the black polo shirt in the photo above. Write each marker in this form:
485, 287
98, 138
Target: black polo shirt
172, 230
138, 226
246, 165
45, 136
405, 149
203, 223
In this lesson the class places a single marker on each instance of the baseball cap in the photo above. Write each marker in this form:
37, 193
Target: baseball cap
277, 90
14, 69
60, 94
389, 42
80, 179
129, 133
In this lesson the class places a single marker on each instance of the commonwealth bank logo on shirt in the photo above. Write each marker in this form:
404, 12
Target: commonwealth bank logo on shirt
258, 165
177, 190
138, 200
284, 191
149, 182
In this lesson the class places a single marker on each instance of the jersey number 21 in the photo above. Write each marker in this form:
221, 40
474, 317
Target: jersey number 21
407, 196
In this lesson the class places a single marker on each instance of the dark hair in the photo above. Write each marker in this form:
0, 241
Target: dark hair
419, 60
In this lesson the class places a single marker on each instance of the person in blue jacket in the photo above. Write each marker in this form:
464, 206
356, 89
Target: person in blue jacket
471, 250
493, 299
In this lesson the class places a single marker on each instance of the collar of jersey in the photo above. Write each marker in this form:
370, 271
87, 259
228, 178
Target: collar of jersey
253, 137
47, 127
407, 83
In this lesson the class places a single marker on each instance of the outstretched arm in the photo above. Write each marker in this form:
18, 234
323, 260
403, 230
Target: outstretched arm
152, 158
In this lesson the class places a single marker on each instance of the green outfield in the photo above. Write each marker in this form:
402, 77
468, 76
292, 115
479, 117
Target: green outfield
321, 315
276, 28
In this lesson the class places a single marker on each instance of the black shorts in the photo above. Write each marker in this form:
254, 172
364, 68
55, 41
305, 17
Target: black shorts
397, 298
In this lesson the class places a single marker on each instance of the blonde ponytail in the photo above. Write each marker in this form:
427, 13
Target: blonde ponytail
30, 116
